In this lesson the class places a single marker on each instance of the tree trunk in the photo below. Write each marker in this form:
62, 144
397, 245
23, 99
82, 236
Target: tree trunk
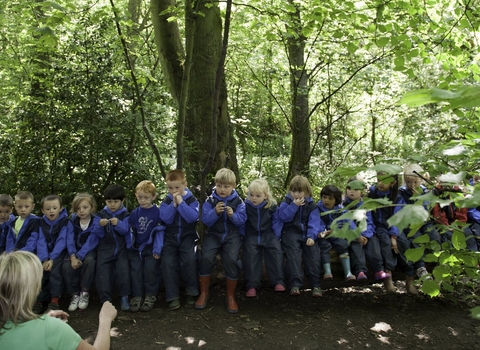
299, 156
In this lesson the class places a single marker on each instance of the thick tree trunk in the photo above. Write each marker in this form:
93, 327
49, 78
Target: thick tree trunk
300, 153
206, 50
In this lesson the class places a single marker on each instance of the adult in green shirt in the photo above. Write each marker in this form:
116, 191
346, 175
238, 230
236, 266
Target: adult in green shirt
21, 328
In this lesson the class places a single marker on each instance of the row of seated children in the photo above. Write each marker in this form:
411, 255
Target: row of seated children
114, 243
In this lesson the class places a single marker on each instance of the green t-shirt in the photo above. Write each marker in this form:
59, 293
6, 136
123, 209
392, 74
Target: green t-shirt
44, 333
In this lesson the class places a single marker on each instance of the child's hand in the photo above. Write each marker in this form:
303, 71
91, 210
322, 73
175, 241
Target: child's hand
114, 221
47, 265
310, 242
393, 239
220, 208
363, 240
324, 233
229, 211
178, 198
156, 256
299, 201
103, 222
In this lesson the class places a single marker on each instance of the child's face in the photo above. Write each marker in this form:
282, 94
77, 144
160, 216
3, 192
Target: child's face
256, 197
114, 204
223, 190
5, 212
23, 207
176, 187
84, 209
145, 199
385, 182
297, 194
328, 201
51, 209
354, 194
412, 182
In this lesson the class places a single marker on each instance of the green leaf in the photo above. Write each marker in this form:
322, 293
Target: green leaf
475, 312
414, 254
431, 288
374, 203
458, 240
417, 98
409, 215
441, 272
422, 239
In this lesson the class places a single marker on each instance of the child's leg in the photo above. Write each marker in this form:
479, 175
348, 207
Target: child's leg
136, 273
233, 266
103, 277
88, 271
291, 243
188, 264
311, 261
386, 248
274, 261
170, 265
252, 261
122, 272
210, 247
373, 254
71, 277
56, 279
341, 246
357, 258
325, 247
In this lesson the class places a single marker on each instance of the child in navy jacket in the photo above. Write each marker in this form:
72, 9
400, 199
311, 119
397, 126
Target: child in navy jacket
263, 230
23, 231
179, 212
52, 248
393, 243
113, 231
331, 201
224, 214
6, 218
79, 268
301, 225
144, 266
367, 247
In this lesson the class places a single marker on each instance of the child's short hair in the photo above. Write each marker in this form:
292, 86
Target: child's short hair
50, 197
176, 175
24, 195
225, 176
300, 183
79, 198
146, 186
261, 186
6, 200
333, 191
114, 191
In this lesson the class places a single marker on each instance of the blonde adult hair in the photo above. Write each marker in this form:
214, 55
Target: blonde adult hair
146, 186
79, 198
410, 169
300, 183
20, 282
261, 186
225, 176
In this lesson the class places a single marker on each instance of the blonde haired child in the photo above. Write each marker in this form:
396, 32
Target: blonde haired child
145, 271
301, 225
79, 269
262, 237
224, 214
6, 217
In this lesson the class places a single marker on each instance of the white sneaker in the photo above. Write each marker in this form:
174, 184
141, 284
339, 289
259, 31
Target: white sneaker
422, 271
74, 302
83, 302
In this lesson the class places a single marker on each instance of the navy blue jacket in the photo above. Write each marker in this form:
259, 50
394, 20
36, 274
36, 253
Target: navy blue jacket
221, 223
261, 220
182, 219
52, 237
303, 219
4, 228
27, 238
370, 230
113, 237
81, 242
381, 215
145, 225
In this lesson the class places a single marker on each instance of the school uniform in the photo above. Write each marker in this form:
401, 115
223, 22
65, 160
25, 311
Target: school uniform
263, 230
299, 224
179, 254
112, 255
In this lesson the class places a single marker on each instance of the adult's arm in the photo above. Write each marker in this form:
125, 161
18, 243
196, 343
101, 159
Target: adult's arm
105, 318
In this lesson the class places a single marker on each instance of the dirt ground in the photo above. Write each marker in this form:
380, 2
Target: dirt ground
347, 317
